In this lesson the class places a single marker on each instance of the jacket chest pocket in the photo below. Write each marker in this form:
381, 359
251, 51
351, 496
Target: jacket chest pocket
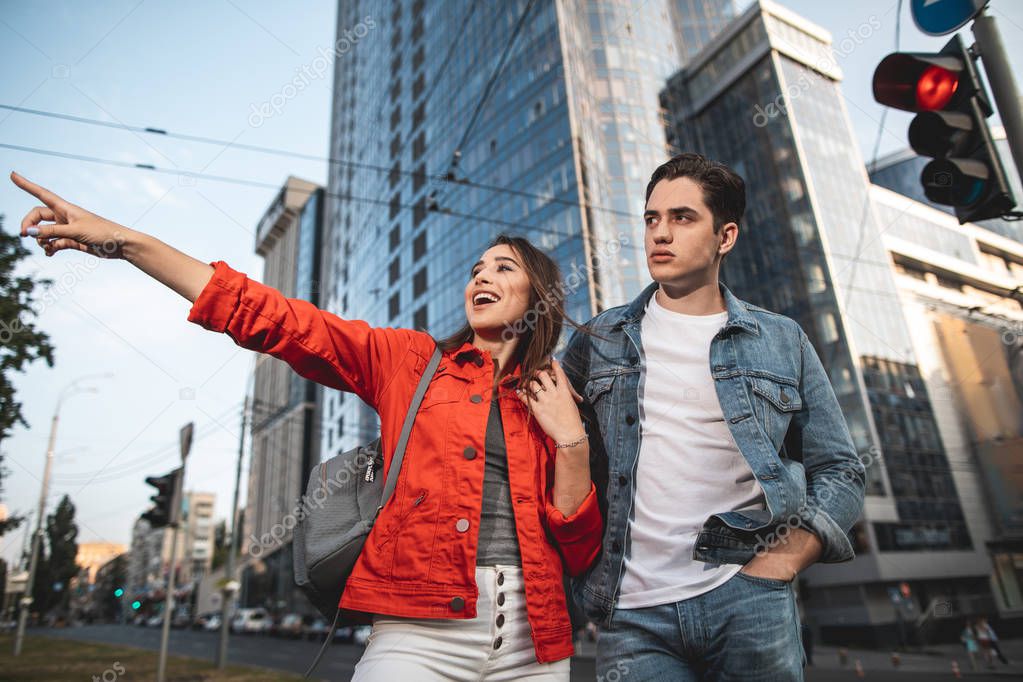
598, 393
774, 403
443, 389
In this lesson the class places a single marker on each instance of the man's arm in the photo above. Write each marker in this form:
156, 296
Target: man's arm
835, 479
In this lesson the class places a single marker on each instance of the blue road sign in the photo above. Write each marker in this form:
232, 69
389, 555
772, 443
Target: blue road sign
940, 17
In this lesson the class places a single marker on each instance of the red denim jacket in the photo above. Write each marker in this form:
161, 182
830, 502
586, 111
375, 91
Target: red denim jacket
420, 558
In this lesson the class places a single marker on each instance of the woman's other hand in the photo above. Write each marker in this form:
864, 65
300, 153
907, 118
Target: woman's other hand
552, 400
68, 226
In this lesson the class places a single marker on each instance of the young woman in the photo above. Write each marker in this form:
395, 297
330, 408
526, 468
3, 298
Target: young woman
463, 569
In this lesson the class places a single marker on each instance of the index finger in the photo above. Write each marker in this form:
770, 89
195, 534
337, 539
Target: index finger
44, 195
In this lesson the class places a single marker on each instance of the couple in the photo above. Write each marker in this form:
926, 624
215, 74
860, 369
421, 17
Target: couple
722, 464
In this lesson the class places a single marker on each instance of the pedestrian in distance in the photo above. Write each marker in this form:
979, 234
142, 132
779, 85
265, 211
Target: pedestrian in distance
985, 631
462, 573
969, 639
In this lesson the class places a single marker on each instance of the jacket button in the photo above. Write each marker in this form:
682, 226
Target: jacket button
462, 525
616, 546
500, 598
476, 398
623, 479
457, 604
630, 420
497, 643
469, 452
500, 619
784, 397
500, 578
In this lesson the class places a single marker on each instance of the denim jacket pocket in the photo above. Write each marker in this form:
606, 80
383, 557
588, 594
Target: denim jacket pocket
774, 404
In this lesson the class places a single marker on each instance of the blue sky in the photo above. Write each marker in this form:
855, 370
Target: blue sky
199, 68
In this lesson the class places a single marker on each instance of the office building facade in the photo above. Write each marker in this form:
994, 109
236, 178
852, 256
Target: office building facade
558, 152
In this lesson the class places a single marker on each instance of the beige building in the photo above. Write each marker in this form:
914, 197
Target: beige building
92, 555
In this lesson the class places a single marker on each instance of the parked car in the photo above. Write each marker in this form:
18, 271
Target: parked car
316, 629
360, 633
181, 618
155, 621
290, 626
212, 623
251, 621
200, 621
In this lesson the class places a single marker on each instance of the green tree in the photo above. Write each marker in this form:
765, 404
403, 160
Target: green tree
56, 568
114, 577
21, 343
219, 545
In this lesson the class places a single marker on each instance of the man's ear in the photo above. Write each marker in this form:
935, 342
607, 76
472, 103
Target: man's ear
729, 234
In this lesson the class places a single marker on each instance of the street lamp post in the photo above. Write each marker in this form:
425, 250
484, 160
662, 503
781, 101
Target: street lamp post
26, 601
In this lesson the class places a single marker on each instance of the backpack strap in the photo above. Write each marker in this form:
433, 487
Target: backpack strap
406, 429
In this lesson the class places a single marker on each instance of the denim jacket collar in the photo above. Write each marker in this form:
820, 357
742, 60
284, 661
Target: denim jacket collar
738, 314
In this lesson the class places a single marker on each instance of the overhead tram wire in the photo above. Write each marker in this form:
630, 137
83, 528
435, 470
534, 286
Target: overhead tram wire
269, 185
285, 152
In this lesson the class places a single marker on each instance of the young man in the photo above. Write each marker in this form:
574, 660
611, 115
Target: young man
729, 465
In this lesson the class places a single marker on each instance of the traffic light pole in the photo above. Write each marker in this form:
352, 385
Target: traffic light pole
168, 601
230, 584
1003, 84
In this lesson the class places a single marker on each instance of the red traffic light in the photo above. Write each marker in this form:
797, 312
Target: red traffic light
917, 82
935, 87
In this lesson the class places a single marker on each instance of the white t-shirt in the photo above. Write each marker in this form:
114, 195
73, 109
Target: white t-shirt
689, 465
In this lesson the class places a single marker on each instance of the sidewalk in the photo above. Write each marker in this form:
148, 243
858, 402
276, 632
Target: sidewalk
934, 659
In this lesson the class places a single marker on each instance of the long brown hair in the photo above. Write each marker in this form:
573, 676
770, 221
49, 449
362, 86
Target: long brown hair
538, 335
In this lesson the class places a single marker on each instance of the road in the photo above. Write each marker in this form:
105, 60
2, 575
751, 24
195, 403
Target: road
339, 662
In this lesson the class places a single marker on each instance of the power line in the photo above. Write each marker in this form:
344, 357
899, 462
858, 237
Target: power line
257, 183
298, 155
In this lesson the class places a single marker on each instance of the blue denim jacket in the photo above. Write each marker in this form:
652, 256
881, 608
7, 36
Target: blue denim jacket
780, 408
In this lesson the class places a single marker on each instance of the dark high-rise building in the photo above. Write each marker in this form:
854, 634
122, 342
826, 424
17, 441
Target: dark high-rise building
555, 143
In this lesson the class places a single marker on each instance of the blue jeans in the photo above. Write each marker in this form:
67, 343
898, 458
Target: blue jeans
746, 629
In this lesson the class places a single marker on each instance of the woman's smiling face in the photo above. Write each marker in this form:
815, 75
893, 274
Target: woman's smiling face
498, 292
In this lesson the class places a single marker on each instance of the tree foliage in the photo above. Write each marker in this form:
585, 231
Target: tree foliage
21, 342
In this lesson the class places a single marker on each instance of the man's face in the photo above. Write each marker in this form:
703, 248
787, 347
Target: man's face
682, 248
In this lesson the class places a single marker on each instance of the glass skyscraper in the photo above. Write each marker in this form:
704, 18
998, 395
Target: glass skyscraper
764, 98
556, 146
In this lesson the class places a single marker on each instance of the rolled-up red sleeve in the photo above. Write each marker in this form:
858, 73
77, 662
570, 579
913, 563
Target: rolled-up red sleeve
348, 355
578, 536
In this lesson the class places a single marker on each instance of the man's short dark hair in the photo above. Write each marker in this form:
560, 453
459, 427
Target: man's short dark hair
724, 191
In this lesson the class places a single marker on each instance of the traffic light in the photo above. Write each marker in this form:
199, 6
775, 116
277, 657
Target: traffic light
118, 592
163, 513
950, 128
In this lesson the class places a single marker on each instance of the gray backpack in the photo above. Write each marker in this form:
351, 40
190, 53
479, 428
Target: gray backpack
337, 512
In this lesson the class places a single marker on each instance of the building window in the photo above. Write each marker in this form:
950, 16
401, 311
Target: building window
419, 178
394, 306
418, 58
395, 174
419, 212
394, 271
419, 320
395, 205
418, 86
395, 118
396, 145
419, 282
418, 146
395, 237
418, 115
419, 247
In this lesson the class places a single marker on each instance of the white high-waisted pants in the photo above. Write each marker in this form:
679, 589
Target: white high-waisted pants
494, 646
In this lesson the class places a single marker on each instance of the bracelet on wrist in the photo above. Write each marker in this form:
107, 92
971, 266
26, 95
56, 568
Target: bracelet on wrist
577, 441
